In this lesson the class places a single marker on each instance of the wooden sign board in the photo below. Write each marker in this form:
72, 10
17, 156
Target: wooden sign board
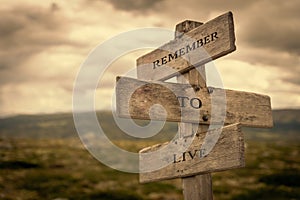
228, 153
183, 104
196, 47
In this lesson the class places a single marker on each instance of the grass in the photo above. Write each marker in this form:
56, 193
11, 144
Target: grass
62, 168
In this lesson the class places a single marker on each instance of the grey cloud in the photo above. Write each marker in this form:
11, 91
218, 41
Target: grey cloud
28, 25
268, 34
211, 5
273, 26
280, 36
271, 58
135, 5
293, 79
25, 31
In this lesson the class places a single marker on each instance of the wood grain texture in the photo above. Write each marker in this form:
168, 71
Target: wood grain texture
228, 153
186, 26
212, 48
197, 187
135, 99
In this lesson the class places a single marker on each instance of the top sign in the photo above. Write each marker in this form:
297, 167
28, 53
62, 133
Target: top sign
196, 47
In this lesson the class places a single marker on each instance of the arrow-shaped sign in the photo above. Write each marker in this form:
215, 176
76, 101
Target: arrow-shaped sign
184, 103
196, 47
228, 153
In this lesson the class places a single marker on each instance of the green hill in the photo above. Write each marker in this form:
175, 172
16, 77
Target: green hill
286, 127
286, 123
42, 158
62, 126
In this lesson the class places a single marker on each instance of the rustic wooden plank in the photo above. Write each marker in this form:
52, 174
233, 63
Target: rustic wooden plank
190, 159
196, 47
181, 103
198, 187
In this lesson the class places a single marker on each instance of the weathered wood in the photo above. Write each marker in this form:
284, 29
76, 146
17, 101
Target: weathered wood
185, 27
228, 153
196, 47
197, 187
181, 101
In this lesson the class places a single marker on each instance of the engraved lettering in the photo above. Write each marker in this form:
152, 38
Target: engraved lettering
172, 56
199, 43
175, 160
183, 156
190, 48
182, 101
181, 52
202, 152
164, 60
185, 50
214, 35
193, 155
156, 64
189, 155
206, 40
196, 105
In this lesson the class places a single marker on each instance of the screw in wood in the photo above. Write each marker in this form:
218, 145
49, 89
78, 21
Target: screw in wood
205, 118
196, 88
210, 90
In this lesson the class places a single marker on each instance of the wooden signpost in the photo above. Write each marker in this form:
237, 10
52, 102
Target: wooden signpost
190, 103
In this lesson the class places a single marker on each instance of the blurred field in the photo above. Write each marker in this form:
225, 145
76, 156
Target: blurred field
41, 157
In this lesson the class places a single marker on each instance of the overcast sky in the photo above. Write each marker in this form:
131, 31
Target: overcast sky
43, 44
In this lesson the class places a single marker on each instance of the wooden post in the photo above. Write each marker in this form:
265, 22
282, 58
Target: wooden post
195, 187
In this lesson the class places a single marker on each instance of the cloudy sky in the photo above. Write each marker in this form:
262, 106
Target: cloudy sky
44, 43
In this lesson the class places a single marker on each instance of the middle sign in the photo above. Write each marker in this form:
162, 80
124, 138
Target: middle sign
183, 103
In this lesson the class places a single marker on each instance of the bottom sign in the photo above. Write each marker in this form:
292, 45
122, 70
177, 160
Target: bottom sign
227, 153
